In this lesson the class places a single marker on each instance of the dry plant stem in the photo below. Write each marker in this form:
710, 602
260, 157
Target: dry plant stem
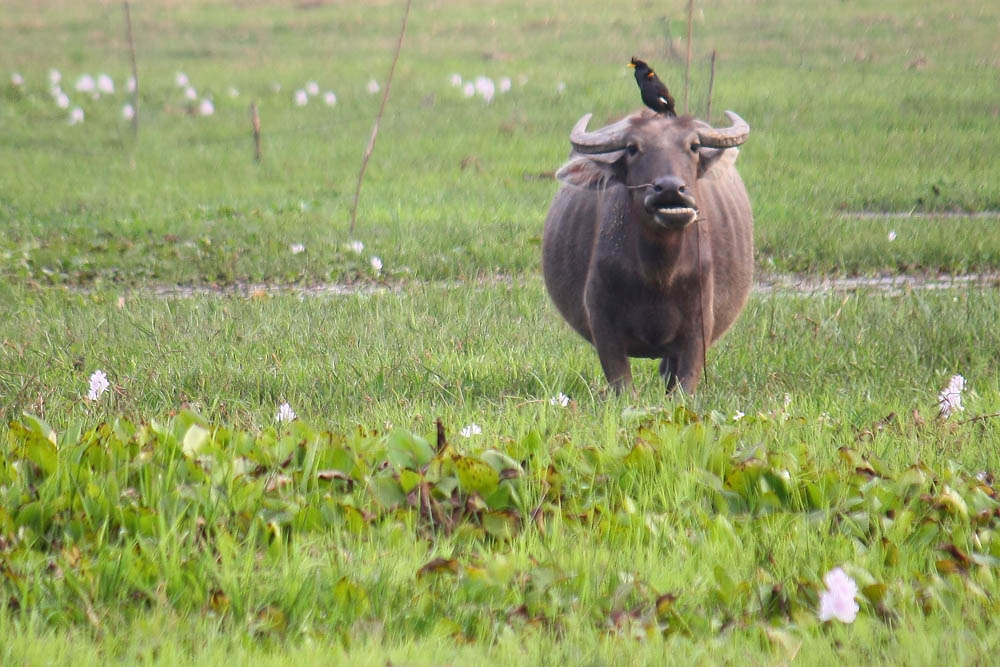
378, 118
255, 124
135, 79
711, 83
687, 58
980, 418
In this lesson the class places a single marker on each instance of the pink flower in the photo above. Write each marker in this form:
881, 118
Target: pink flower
950, 398
285, 413
837, 601
98, 385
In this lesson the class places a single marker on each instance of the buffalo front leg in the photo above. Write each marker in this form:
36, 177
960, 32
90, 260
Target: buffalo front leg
668, 371
684, 368
615, 363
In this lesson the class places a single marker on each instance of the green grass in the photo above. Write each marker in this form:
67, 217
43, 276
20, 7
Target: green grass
852, 108
173, 521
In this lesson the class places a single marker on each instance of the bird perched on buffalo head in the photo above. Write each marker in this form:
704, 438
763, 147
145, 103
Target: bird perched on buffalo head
654, 93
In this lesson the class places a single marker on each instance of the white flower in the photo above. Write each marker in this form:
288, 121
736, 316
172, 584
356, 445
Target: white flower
562, 400
297, 248
330, 98
285, 413
372, 86
505, 84
191, 93
54, 77
837, 601
128, 112
233, 92
181, 79
892, 235
62, 100
485, 87
312, 88
788, 400
456, 79
471, 430
560, 87
738, 416
468, 90
355, 246
105, 84
17, 79
131, 84
376, 264
98, 385
950, 398
206, 108
85, 84
301, 99
76, 116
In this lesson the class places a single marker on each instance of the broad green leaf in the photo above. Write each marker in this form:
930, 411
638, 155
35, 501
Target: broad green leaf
406, 450
502, 525
351, 597
195, 440
409, 479
37, 425
387, 492
40, 451
500, 461
476, 476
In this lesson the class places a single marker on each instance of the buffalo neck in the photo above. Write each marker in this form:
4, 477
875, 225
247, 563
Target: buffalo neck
659, 251
656, 252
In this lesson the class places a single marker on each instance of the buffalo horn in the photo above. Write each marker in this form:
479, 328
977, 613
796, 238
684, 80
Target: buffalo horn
605, 140
726, 137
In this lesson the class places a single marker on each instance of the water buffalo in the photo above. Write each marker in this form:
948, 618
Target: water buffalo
648, 244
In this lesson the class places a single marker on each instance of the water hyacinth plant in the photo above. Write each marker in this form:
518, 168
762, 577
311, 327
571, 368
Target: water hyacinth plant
837, 601
285, 413
950, 398
98, 385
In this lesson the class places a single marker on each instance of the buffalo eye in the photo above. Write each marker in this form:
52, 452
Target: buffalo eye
632, 149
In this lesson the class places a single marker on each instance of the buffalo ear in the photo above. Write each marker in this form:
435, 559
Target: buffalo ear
589, 171
713, 162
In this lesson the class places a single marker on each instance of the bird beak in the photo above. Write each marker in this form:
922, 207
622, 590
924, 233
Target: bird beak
631, 65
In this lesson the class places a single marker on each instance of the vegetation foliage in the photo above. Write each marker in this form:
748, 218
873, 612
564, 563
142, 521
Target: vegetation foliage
170, 518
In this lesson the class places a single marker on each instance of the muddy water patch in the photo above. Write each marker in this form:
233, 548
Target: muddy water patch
922, 215
886, 283
764, 283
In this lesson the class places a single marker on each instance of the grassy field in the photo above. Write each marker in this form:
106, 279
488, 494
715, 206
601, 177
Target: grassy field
458, 485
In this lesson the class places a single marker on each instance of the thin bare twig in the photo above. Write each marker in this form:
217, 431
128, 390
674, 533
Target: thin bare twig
711, 83
687, 59
255, 124
135, 81
378, 118
980, 418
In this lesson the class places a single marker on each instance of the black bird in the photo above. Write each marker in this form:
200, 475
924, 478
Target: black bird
654, 94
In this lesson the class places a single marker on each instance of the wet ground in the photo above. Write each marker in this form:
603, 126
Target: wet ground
766, 283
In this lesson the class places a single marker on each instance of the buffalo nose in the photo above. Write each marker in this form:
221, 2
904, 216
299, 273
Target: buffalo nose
669, 186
